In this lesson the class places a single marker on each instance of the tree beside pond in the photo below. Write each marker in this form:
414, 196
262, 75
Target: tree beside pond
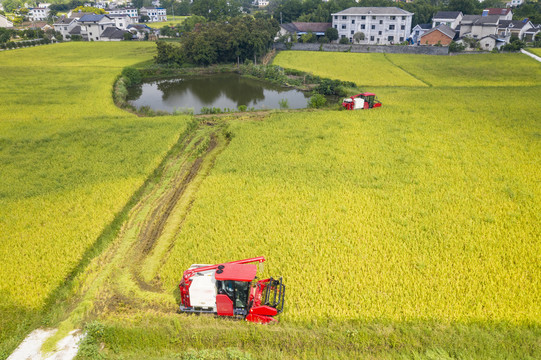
237, 40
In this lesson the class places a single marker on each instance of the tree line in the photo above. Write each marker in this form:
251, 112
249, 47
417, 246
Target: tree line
235, 40
285, 11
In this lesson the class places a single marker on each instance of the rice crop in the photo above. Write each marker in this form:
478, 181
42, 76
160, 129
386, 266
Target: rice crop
69, 160
427, 208
362, 69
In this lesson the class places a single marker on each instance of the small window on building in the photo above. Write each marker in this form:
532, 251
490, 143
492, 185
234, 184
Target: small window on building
373, 18
403, 18
352, 32
403, 27
363, 17
391, 27
362, 27
335, 17
417, 32
344, 17
342, 36
353, 21
379, 32
381, 22
373, 27
336, 26
343, 27
401, 38
371, 38
393, 17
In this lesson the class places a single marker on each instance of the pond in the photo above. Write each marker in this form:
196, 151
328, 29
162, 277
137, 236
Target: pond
224, 91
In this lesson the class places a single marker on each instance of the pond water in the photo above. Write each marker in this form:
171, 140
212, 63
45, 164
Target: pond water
218, 90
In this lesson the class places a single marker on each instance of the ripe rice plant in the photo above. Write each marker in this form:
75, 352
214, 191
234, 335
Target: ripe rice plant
427, 208
70, 160
362, 69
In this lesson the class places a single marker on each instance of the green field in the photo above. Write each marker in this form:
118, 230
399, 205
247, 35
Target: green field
178, 20
409, 231
536, 51
70, 160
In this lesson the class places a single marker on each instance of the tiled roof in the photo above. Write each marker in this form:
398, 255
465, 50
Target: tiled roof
447, 15
91, 18
444, 29
373, 11
311, 26
512, 24
497, 11
76, 30
113, 33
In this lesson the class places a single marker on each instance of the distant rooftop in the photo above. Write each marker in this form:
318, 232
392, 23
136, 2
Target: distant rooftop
373, 11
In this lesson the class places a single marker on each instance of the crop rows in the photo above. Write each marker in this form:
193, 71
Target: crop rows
70, 160
427, 208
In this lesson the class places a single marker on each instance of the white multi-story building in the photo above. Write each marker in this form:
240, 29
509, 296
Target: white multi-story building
122, 21
131, 12
38, 14
380, 25
155, 14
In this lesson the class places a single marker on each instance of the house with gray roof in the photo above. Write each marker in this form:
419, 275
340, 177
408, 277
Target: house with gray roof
449, 18
92, 26
477, 26
418, 31
440, 35
514, 27
113, 34
64, 26
380, 25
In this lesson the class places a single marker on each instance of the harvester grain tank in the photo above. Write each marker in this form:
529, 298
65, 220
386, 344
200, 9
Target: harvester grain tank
232, 289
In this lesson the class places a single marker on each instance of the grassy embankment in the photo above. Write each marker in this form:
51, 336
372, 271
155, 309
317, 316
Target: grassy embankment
406, 231
70, 162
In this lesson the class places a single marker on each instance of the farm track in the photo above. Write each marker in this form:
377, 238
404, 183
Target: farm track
113, 280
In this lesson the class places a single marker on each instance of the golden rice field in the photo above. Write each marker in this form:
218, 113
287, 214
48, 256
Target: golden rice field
426, 209
417, 70
69, 162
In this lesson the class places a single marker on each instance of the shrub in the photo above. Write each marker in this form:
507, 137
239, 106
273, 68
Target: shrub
344, 41
316, 101
242, 108
132, 76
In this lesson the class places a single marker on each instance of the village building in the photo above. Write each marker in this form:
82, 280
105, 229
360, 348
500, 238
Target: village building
380, 25
449, 18
440, 35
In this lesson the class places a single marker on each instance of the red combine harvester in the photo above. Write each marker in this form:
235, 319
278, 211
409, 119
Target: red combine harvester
232, 289
361, 101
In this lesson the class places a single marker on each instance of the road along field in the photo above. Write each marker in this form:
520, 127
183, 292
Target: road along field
70, 160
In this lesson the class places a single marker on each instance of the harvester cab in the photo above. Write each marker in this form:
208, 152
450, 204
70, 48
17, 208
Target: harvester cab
361, 101
232, 289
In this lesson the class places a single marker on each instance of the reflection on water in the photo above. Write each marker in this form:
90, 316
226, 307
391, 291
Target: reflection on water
219, 90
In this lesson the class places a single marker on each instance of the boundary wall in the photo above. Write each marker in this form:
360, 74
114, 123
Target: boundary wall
364, 48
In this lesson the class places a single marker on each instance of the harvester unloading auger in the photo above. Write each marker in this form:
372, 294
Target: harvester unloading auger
232, 289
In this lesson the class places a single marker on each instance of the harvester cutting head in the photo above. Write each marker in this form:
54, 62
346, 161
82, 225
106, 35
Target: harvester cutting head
232, 289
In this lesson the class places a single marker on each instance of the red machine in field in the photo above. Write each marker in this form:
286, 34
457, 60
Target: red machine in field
232, 289
361, 101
